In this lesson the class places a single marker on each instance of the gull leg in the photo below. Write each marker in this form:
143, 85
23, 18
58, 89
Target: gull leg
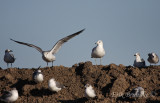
11, 65
95, 61
47, 64
52, 63
7, 65
100, 61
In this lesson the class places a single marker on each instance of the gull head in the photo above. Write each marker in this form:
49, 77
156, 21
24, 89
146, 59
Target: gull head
137, 54
39, 71
7, 51
152, 55
87, 85
99, 42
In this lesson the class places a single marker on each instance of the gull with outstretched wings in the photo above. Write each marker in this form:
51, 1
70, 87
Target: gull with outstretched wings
48, 56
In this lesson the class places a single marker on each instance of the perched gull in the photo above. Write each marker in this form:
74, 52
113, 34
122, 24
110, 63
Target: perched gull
98, 51
153, 58
38, 76
89, 92
54, 85
9, 58
48, 56
139, 62
137, 92
10, 96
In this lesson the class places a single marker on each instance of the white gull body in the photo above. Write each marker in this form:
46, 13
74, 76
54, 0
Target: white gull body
54, 85
10, 96
48, 56
38, 76
138, 61
89, 92
8, 57
138, 92
98, 51
153, 58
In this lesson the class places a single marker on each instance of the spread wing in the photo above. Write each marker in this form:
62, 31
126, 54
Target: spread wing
58, 45
30, 45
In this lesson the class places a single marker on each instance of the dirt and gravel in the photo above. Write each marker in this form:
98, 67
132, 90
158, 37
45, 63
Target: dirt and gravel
112, 83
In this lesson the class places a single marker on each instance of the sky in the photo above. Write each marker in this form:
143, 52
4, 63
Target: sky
125, 27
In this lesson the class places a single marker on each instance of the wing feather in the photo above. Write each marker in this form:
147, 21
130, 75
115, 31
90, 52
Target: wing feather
58, 45
30, 45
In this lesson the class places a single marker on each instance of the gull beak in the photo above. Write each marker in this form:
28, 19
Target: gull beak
134, 55
10, 51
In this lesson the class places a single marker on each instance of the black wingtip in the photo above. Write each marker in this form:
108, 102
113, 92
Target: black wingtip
12, 39
81, 31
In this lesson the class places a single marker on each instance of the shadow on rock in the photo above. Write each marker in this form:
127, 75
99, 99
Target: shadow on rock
80, 100
41, 92
21, 83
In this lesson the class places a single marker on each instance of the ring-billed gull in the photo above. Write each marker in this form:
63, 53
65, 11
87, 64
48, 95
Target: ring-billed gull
8, 57
89, 91
48, 56
153, 58
54, 85
137, 92
138, 61
10, 96
38, 76
98, 51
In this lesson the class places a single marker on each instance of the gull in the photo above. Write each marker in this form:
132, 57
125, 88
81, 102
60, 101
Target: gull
138, 61
9, 58
137, 92
89, 92
48, 56
10, 96
98, 51
38, 76
54, 85
153, 58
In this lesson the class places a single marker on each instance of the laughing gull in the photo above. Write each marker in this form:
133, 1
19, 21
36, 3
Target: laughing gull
54, 85
137, 92
9, 58
89, 92
38, 76
138, 61
10, 96
153, 58
48, 56
98, 51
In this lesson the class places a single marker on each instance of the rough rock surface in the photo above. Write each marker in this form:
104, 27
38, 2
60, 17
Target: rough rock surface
112, 83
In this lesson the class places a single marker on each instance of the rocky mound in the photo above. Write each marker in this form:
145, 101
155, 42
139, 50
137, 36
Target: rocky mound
112, 83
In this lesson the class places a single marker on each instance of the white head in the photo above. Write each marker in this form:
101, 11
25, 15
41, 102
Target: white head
99, 42
87, 85
39, 70
7, 51
52, 80
152, 55
137, 54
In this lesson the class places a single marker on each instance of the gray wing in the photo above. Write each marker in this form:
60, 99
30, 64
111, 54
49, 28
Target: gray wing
143, 62
30, 45
92, 54
59, 85
6, 95
58, 45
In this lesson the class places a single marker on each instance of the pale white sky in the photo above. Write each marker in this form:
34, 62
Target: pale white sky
124, 26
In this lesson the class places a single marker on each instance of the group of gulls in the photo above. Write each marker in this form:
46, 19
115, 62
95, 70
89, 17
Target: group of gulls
152, 59
48, 56
55, 86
